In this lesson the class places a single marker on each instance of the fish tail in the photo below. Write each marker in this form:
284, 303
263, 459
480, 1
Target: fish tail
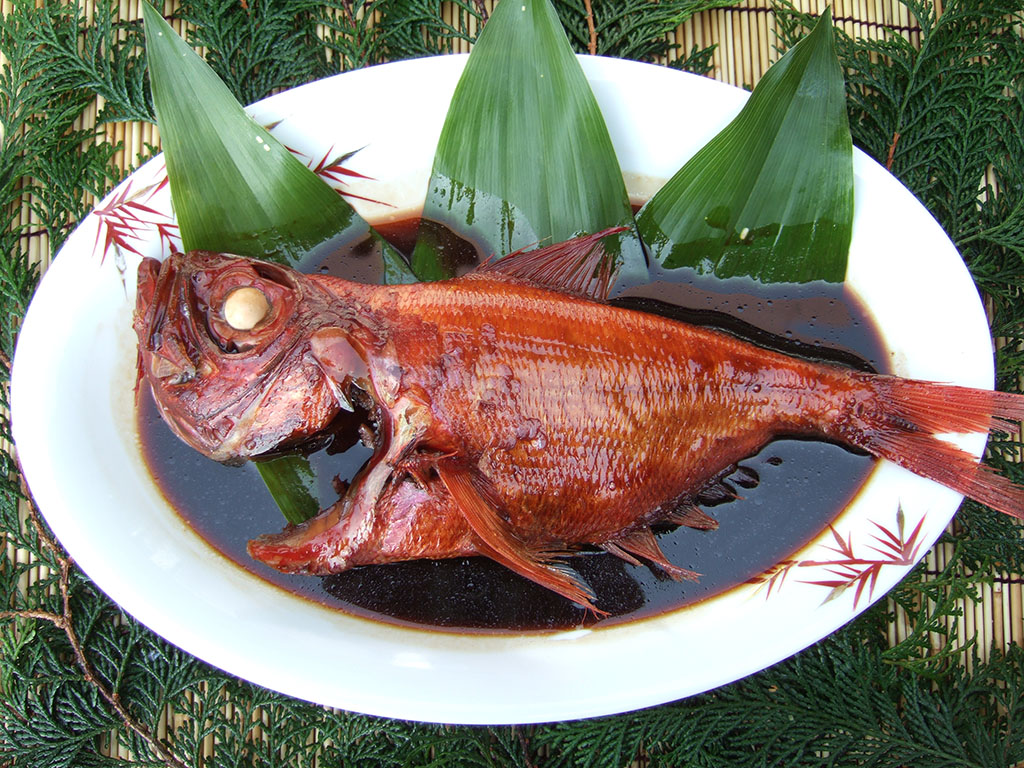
900, 420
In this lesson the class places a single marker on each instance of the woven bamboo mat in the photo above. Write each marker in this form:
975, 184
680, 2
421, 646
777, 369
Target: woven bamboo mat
745, 37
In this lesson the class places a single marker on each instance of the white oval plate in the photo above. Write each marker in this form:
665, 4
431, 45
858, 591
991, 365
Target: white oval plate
75, 430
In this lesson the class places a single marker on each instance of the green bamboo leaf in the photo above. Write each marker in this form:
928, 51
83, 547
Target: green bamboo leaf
292, 482
234, 187
524, 156
771, 196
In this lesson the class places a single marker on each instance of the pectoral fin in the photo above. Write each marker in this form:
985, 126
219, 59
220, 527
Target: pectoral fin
500, 543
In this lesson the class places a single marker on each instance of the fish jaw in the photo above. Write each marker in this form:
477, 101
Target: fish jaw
318, 545
325, 543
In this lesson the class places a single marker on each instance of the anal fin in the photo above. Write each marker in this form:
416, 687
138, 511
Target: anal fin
500, 543
642, 543
692, 516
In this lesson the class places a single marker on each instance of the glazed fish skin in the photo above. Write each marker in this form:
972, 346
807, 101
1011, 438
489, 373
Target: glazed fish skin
581, 414
513, 420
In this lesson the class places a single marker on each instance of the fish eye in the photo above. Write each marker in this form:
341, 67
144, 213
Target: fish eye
245, 307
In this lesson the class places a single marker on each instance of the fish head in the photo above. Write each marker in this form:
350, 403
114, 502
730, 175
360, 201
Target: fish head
224, 346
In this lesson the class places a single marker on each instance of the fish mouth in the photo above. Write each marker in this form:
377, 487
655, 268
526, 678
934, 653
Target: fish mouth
165, 357
156, 283
169, 348
314, 546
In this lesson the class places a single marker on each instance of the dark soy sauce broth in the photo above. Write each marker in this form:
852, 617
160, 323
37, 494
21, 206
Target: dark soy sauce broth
789, 491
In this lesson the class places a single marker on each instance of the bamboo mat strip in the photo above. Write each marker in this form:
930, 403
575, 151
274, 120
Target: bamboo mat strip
745, 37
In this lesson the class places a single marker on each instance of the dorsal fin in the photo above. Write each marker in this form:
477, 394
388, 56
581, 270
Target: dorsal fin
580, 266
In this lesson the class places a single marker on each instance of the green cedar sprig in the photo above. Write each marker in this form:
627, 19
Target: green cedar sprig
836, 704
101, 57
257, 48
57, 65
850, 699
628, 29
366, 32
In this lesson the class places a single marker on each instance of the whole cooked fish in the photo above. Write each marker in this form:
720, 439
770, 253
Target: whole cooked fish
516, 414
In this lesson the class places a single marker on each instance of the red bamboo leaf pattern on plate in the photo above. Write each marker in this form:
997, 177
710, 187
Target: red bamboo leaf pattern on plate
331, 169
128, 219
775, 576
861, 573
848, 569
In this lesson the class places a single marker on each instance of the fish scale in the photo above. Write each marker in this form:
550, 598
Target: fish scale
608, 392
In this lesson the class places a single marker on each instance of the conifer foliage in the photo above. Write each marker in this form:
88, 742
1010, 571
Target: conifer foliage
78, 676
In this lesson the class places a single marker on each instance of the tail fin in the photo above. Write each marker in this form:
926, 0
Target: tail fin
906, 417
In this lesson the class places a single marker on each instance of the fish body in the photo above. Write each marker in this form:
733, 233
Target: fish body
579, 414
513, 419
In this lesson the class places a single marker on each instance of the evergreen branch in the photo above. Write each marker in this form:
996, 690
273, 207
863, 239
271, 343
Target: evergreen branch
43, 91
697, 61
366, 32
64, 621
930, 601
947, 117
834, 704
101, 57
628, 29
257, 47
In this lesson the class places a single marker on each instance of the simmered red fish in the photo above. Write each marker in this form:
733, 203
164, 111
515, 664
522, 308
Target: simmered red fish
515, 419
